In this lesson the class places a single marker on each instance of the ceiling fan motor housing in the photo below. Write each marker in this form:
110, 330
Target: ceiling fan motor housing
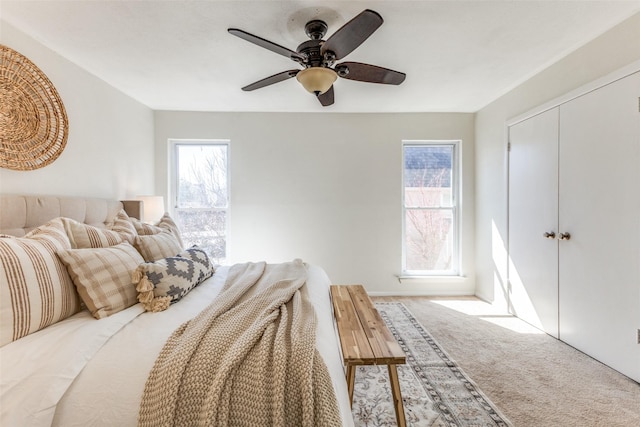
311, 49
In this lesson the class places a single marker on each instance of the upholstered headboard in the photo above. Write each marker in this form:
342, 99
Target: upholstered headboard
20, 214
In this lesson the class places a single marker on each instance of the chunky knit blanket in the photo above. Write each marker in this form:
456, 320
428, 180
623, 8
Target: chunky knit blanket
248, 359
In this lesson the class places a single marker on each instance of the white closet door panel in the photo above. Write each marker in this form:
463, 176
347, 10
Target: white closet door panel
533, 210
599, 193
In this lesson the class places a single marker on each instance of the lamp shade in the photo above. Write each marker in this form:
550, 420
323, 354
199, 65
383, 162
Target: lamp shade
317, 80
152, 208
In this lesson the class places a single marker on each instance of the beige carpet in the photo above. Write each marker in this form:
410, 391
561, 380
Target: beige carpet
534, 379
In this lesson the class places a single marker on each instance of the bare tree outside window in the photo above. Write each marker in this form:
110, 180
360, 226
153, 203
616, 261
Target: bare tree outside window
429, 209
202, 196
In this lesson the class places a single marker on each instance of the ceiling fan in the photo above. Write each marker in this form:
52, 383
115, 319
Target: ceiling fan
318, 57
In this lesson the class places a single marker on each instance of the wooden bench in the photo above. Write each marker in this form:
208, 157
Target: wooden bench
366, 340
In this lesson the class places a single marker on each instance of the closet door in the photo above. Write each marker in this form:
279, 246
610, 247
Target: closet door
533, 219
599, 193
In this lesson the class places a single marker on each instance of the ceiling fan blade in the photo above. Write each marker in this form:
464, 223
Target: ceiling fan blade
273, 47
326, 98
369, 73
276, 78
352, 34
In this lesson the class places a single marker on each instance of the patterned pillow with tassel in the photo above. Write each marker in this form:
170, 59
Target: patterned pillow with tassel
167, 280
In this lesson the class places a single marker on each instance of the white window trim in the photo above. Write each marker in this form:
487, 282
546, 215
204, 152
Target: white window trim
172, 159
172, 167
456, 211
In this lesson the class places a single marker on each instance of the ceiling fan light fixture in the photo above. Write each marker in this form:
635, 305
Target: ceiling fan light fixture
317, 57
317, 80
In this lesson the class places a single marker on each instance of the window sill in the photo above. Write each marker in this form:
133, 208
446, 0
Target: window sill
429, 278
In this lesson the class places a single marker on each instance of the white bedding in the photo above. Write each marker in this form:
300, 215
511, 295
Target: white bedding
87, 372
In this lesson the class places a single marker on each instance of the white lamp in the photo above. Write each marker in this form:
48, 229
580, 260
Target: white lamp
152, 208
317, 80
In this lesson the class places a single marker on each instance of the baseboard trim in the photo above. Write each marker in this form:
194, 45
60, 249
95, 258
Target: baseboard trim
430, 293
484, 298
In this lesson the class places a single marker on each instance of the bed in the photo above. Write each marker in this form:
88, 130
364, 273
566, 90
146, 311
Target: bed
80, 371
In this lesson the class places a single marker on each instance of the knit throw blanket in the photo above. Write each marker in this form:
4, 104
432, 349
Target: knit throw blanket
248, 359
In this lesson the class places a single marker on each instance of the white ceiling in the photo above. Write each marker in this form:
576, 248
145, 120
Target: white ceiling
177, 55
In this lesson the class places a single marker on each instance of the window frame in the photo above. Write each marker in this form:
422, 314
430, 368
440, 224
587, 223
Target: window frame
173, 184
455, 208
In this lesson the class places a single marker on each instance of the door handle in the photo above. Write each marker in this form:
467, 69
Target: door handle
549, 234
564, 236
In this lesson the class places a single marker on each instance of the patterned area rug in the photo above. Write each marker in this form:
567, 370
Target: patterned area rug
435, 391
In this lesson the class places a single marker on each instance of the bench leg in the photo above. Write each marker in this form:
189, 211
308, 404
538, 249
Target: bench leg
397, 395
351, 381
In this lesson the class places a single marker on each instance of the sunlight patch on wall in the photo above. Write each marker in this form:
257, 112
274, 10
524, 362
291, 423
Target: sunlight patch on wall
499, 256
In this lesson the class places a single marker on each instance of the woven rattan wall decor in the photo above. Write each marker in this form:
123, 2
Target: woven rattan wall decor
33, 122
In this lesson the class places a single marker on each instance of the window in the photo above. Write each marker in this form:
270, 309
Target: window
430, 208
200, 194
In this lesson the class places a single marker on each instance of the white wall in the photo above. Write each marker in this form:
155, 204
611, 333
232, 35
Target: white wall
109, 152
325, 188
611, 51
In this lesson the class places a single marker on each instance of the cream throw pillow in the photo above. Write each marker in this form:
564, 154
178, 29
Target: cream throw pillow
157, 246
87, 236
103, 277
35, 288
124, 227
166, 224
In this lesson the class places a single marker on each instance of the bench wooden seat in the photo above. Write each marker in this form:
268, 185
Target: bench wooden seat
366, 340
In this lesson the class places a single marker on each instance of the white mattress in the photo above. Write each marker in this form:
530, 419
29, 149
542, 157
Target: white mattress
84, 372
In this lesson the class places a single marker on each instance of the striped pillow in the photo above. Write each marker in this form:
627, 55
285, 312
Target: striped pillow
145, 229
166, 224
103, 277
123, 226
35, 288
87, 236
157, 246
